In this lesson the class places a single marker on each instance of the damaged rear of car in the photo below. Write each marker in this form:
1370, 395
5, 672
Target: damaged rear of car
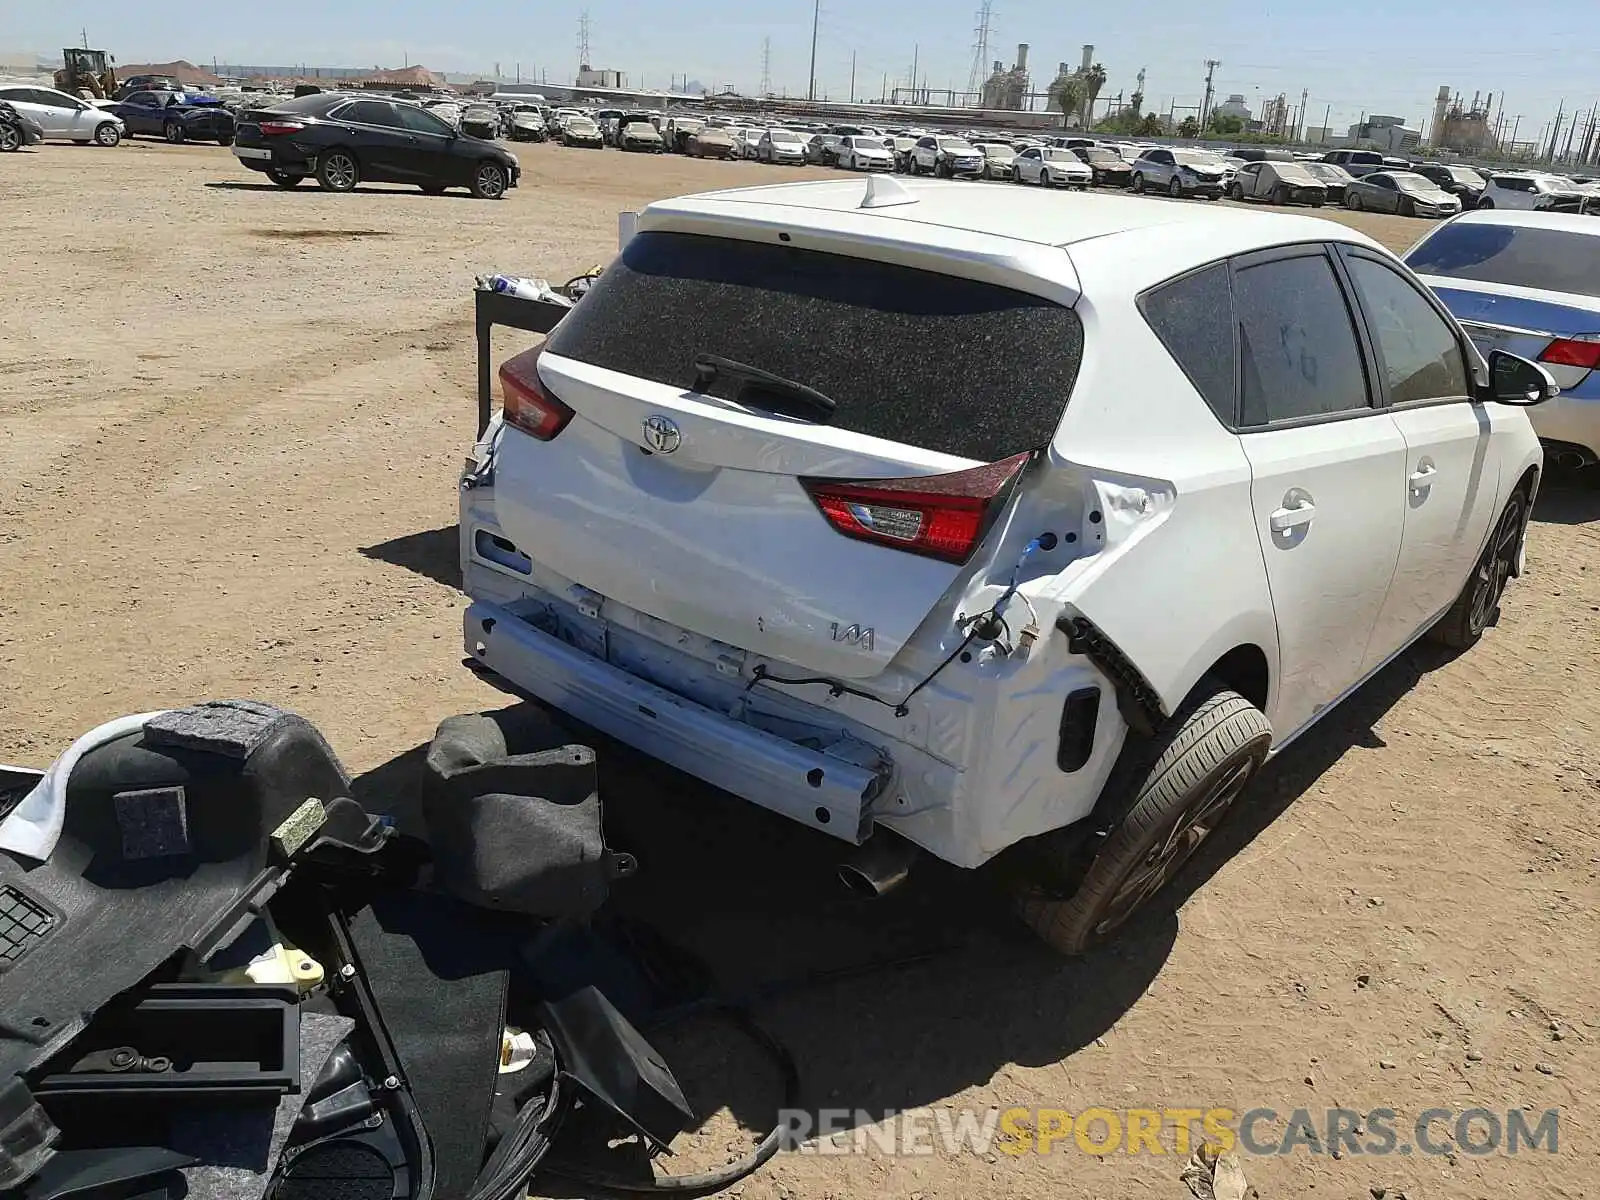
936, 596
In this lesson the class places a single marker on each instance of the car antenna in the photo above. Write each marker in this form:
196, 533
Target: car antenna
885, 190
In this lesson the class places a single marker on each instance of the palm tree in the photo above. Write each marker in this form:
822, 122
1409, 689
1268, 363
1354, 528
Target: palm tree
1070, 98
1093, 80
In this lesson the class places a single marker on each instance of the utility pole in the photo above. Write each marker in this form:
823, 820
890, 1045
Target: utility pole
1516, 124
1300, 122
1556, 132
766, 67
816, 15
852, 77
583, 40
1205, 106
884, 94
915, 49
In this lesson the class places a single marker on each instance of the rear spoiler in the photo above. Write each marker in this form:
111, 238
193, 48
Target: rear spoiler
491, 308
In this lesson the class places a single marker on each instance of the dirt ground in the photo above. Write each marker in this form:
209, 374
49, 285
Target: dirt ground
231, 419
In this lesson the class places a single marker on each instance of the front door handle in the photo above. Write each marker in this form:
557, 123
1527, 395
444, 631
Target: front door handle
1294, 516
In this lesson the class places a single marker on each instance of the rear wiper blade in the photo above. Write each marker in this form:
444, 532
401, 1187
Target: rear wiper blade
709, 367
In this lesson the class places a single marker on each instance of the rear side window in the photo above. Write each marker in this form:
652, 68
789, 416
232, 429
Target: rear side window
1193, 317
952, 365
1297, 345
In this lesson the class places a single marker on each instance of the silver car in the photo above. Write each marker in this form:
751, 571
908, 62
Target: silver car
1181, 173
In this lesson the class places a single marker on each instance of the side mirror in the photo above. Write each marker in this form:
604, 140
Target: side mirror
1515, 380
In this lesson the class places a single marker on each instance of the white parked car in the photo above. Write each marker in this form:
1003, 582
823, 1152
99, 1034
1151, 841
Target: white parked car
1533, 191
860, 152
946, 156
1069, 606
1052, 166
65, 118
781, 146
747, 141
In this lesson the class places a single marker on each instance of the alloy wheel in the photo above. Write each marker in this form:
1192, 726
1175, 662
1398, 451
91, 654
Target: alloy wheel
1499, 560
491, 181
340, 170
1193, 824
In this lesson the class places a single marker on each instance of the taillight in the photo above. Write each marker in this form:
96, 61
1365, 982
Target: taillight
275, 128
527, 405
1583, 350
939, 516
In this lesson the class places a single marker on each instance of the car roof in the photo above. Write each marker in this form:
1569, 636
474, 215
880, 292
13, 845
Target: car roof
1015, 214
1564, 222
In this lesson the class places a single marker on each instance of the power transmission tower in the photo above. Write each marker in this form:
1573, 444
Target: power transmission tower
583, 40
766, 67
1205, 105
980, 47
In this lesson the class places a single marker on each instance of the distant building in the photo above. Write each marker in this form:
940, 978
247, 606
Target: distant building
1008, 89
588, 77
1465, 129
1315, 135
1233, 106
1274, 116
1389, 134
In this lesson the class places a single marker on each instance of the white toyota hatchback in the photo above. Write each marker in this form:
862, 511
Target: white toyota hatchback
987, 518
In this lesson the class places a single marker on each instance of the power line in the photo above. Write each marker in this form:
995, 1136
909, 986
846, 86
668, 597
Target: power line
980, 47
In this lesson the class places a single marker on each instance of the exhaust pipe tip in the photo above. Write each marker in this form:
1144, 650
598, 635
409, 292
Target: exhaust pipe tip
1571, 460
878, 866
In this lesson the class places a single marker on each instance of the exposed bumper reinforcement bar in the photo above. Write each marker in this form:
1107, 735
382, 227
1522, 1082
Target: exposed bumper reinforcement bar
815, 789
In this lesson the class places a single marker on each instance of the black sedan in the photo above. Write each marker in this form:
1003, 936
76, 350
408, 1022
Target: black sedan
1462, 182
342, 140
176, 116
16, 130
1110, 168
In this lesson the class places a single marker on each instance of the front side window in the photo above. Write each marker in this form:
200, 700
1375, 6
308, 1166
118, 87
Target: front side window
1419, 352
1298, 353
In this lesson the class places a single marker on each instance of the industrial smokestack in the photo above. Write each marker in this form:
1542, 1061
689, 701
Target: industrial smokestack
1022, 56
1088, 58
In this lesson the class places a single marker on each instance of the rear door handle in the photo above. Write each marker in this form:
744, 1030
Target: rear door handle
1423, 476
1284, 519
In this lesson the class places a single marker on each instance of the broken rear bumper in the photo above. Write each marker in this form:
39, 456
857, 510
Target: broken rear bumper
816, 789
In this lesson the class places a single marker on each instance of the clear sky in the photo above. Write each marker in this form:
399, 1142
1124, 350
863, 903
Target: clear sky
1374, 56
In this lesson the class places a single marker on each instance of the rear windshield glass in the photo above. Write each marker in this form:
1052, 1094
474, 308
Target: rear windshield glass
1521, 255
952, 365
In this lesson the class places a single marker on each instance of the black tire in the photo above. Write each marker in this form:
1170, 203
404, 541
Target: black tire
106, 134
1317, 203
10, 138
1280, 195
338, 170
1408, 207
285, 179
1478, 605
224, 139
1352, 202
1175, 188
1138, 184
173, 132
489, 181
1485, 203
1184, 781
1236, 192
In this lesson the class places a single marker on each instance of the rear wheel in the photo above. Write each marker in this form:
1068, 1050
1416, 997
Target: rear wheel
1352, 202
173, 132
489, 181
1185, 780
224, 139
337, 171
284, 179
1478, 605
10, 138
107, 134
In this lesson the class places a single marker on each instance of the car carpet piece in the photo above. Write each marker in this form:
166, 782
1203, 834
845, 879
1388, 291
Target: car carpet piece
239, 1148
438, 971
